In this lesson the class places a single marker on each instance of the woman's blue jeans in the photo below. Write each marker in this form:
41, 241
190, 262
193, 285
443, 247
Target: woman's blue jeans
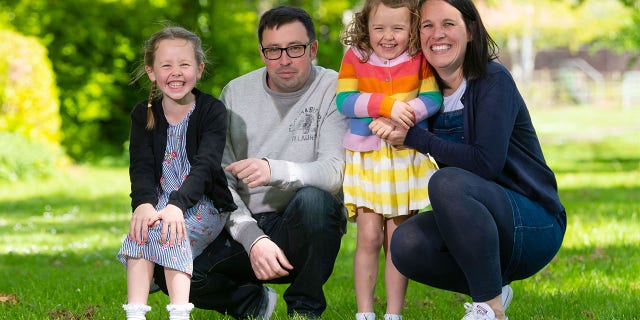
478, 237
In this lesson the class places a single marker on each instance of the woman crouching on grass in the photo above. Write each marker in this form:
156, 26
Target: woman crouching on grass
496, 216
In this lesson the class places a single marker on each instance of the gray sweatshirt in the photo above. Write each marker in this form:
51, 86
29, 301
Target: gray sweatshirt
299, 133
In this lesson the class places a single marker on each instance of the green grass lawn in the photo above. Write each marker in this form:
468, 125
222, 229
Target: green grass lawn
58, 238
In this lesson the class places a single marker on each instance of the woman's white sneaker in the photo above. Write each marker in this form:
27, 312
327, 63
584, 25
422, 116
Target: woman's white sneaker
507, 295
479, 311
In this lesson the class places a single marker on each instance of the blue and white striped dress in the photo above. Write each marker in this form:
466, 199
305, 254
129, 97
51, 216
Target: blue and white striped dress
203, 221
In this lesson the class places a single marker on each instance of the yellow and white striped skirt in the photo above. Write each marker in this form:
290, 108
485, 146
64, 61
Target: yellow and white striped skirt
390, 181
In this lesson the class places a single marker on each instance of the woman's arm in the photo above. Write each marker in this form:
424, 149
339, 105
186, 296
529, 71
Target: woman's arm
490, 112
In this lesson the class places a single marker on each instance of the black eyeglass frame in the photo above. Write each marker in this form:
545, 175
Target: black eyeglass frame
304, 50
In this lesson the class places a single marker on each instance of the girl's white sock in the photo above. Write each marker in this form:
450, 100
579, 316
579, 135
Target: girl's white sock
365, 316
389, 316
179, 311
136, 311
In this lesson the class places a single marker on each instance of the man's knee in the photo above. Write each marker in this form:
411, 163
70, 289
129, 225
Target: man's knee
310, 197
318, 209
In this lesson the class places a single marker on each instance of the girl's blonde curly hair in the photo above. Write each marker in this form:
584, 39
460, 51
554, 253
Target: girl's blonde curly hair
356, 33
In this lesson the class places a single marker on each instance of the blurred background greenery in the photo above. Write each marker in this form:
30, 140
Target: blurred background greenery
66, 66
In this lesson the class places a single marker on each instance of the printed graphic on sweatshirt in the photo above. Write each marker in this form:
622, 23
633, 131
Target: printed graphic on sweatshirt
305, 126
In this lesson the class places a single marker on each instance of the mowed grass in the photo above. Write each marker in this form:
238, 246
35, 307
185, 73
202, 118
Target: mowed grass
59, 237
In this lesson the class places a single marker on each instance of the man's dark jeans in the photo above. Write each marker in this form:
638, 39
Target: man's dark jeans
309, 231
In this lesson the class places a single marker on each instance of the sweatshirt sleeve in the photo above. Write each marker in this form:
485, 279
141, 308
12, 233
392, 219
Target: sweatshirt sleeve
327, 171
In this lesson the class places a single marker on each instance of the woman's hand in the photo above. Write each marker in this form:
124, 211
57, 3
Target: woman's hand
388, 130
139, 225
173, 224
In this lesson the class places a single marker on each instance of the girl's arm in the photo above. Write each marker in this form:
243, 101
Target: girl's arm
141, 159
347, 91
353, 102
350, 100
208, 133
429, 98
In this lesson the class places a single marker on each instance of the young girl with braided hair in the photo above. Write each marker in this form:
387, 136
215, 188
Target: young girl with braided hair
383, 74
179, 192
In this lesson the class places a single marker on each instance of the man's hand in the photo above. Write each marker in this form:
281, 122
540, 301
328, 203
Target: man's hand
253, 172
268, 260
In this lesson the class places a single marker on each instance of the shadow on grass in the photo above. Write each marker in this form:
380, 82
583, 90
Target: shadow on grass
609, 156
58, 204
601, 165
579, 197
63, 215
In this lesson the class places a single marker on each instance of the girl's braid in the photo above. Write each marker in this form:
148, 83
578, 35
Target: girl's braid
150, 119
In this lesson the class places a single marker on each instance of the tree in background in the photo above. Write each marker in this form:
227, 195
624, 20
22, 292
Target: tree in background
92, 46
628, 37
95, 46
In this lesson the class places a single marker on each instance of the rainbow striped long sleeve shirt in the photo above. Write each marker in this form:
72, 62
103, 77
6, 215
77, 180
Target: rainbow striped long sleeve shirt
368, 90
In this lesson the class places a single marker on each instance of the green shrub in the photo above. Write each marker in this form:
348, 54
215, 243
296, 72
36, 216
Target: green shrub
28, 94
29, 117
23, 159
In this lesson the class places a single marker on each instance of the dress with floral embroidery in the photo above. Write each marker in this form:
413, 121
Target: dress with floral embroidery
203, 221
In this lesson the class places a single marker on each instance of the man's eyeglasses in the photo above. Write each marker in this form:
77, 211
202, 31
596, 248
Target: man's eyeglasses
294, 51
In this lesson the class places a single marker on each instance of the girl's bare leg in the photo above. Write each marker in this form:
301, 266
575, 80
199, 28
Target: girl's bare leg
365, 266
139, 274
395, 282
178, 285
